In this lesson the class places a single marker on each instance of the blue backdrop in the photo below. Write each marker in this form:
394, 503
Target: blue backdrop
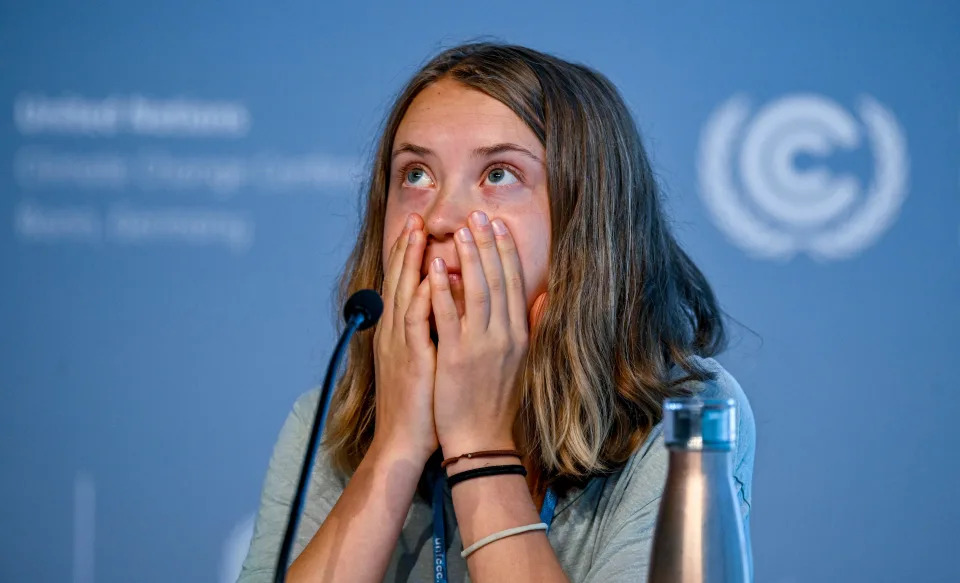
180, 188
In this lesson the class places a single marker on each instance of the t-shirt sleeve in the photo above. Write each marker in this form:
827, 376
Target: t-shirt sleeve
623, 550
279, 486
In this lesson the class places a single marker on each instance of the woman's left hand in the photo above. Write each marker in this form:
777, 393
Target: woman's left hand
479, 354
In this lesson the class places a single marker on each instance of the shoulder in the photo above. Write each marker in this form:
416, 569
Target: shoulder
305, 407
283, 474
724, 386
639, 483
721, 386
292, 441
291, 446
605, 531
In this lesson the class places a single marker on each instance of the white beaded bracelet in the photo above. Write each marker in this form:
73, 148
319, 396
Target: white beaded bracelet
499, 535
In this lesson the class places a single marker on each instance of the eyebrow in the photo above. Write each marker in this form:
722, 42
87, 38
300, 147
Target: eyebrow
480, 152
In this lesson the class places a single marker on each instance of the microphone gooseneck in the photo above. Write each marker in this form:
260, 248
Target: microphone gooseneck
361, 311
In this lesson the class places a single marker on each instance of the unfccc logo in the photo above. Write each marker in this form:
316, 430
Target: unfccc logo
776, 208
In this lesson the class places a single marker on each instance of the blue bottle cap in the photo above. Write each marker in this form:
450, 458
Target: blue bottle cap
700, 424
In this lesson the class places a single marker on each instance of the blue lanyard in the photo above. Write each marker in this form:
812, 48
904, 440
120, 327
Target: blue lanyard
440, 537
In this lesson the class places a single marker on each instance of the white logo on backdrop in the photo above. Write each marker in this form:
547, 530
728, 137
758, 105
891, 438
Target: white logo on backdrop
779, 209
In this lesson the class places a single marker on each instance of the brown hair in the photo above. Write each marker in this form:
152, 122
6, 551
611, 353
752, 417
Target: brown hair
625, 304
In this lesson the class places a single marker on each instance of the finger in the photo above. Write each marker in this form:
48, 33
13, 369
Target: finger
492, 267
392, 273
456, 288
409, 274
416, 322
444, 309
512, 273
475, 291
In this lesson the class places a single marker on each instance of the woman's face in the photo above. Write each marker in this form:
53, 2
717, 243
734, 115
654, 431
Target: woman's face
456, 151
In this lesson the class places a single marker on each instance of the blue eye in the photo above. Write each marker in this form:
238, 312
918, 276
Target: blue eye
415, 176
501, 177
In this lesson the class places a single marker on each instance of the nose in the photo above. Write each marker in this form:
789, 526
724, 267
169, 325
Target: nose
446, 214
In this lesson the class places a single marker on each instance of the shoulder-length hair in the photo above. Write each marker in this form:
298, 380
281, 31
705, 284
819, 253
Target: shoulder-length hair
626, 304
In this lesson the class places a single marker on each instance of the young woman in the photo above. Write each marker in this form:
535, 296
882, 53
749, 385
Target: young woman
536, 305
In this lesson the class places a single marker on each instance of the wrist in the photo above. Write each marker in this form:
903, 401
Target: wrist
384, 452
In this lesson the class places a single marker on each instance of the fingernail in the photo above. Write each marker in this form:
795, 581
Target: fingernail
413, 236
438, 265
498, 227
465, 235
411, 222
480, 218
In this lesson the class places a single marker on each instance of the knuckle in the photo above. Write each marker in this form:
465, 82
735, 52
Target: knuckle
515, 281
499, 339
495, 283
521, 342
389, 283
447, 315
480, 296
486, 243
507, 244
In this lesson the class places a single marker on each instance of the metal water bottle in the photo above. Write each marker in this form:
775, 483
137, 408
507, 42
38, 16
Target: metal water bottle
699, 536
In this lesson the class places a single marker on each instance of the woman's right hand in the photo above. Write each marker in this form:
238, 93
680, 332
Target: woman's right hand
405, 358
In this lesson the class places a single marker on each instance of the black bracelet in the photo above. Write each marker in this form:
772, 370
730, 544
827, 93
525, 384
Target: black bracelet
486, 471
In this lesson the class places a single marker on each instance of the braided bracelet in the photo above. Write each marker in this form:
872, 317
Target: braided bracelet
487, 471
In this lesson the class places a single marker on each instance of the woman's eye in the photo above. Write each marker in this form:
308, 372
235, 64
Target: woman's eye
417, 177
501, 177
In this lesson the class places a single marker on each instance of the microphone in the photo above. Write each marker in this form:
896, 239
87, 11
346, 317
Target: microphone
361, 311
367, 304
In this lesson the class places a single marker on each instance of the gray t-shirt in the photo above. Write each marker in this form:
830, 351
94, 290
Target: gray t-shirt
601, 532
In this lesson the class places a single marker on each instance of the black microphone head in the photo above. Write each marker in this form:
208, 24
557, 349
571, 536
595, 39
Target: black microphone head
365, 303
